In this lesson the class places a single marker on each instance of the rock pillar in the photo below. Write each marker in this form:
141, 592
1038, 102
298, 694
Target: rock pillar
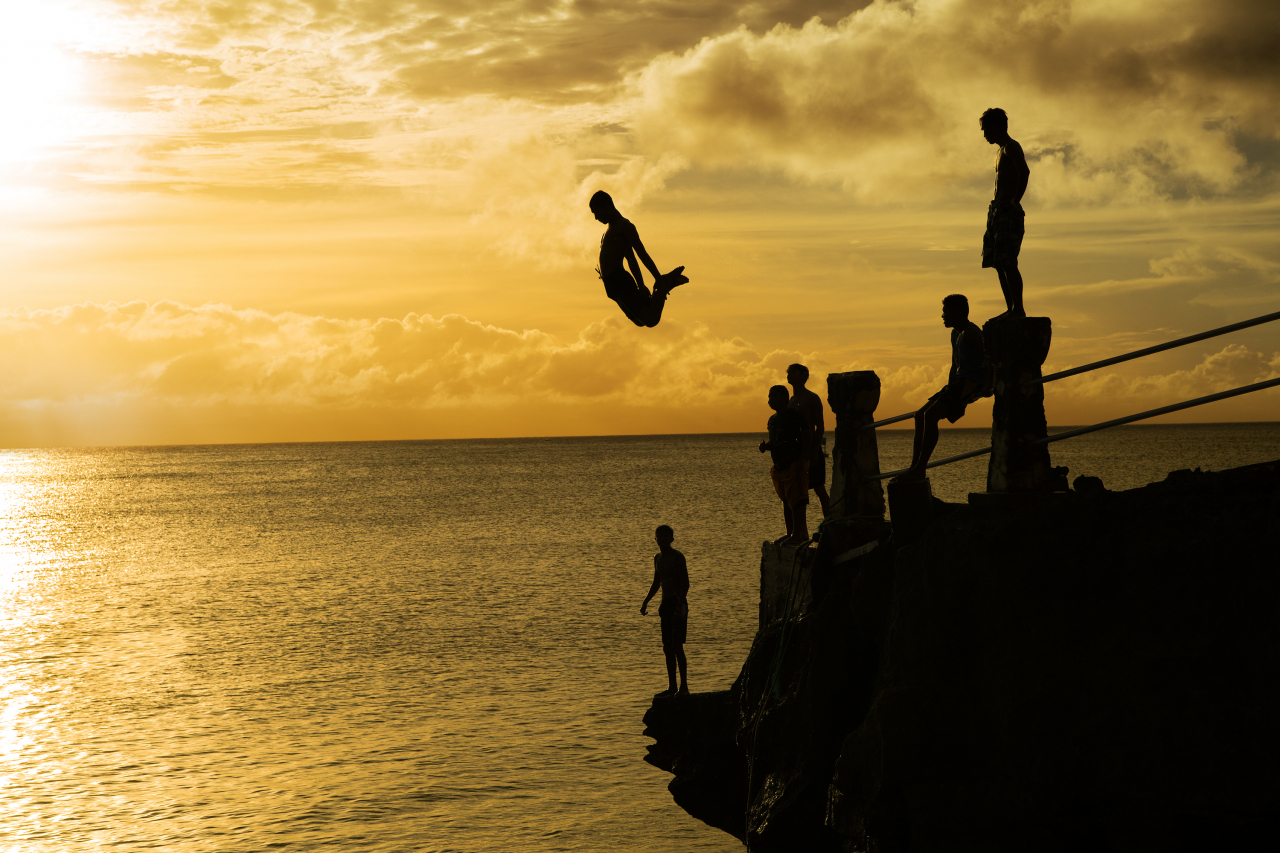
853, 398
911, 508
1017, 347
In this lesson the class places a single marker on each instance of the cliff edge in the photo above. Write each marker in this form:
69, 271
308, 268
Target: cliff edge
1095, 672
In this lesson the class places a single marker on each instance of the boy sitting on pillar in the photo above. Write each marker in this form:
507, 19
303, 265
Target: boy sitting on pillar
968, 380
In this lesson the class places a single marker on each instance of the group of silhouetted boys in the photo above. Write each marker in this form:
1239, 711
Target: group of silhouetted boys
796, 428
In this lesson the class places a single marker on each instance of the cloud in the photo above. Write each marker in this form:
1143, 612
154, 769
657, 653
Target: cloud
214, 355
1234, 366
170, 373
1129, 102
1199, 265
510, 112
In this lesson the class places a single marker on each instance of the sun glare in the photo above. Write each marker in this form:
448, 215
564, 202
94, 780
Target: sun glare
40, 77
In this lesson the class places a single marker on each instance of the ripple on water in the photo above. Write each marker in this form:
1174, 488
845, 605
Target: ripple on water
390, 646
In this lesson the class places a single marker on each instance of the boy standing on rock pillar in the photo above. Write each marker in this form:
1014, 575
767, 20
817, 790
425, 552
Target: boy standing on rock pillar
809, 404
1005, 218
671, 575
788, 444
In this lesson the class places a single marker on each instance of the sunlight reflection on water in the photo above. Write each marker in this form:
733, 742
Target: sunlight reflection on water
388, 646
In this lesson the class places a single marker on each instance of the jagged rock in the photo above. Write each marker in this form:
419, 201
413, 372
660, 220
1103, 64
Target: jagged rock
1088, 486
1075, 675
695, 741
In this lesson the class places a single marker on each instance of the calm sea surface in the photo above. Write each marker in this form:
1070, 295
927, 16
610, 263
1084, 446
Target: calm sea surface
417, 646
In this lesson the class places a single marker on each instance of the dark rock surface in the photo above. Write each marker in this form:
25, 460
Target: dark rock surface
1101, 673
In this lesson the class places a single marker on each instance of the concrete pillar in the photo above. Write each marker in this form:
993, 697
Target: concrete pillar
1017, 347
911, 509
853, 398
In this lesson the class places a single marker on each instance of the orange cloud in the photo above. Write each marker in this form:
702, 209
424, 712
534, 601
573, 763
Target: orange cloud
83, 371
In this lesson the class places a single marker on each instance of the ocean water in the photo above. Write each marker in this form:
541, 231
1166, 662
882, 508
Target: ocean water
393, 646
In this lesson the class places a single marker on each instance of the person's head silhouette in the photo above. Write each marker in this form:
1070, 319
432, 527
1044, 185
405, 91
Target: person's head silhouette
955, 311
995, 125
601, 205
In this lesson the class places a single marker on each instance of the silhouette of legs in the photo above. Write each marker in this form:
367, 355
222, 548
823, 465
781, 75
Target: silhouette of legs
791, 485
1000, 247
797, 522
1011, 286
926, 439
675, 659
636, 301
675, 620
818, 482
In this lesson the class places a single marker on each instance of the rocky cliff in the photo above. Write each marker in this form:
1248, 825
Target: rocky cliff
1097, 671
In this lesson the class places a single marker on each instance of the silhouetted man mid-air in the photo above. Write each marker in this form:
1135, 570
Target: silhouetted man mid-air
809, 404
622, 240
966, 382
788, 443
671, 574
1003, 239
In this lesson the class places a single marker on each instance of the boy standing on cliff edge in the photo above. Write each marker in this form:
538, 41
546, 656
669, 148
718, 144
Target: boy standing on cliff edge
671, 574
789, 439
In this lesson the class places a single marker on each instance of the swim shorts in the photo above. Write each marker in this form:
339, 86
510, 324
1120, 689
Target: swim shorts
791, 483
675, 622
955, 399
632, 298
1003, 240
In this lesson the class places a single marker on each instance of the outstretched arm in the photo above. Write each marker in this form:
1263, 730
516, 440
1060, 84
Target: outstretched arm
653, 590
644, 256
635, 267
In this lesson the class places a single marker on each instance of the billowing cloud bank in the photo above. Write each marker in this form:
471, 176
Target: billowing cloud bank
166, 373
1129, 101
1123, 100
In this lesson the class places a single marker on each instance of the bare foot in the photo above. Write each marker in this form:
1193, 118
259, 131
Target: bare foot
670, 281
666, 694
683, 691
911, 475
782, 540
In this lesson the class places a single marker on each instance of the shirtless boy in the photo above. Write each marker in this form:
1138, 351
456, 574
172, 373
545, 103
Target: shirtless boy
788, 444
621, 241
671, 575
965, 383
809, 404
1003, 239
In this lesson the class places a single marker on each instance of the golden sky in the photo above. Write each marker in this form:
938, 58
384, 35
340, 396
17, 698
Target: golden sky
273, 220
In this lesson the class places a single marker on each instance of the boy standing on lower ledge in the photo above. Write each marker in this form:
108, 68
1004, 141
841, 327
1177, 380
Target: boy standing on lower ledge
671, 574
788, 443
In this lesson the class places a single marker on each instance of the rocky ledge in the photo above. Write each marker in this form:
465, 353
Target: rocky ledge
1098, 672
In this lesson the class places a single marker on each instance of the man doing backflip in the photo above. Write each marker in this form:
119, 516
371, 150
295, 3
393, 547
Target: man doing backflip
966, 382
809, 404
671, 575
1003, 238
621, 241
